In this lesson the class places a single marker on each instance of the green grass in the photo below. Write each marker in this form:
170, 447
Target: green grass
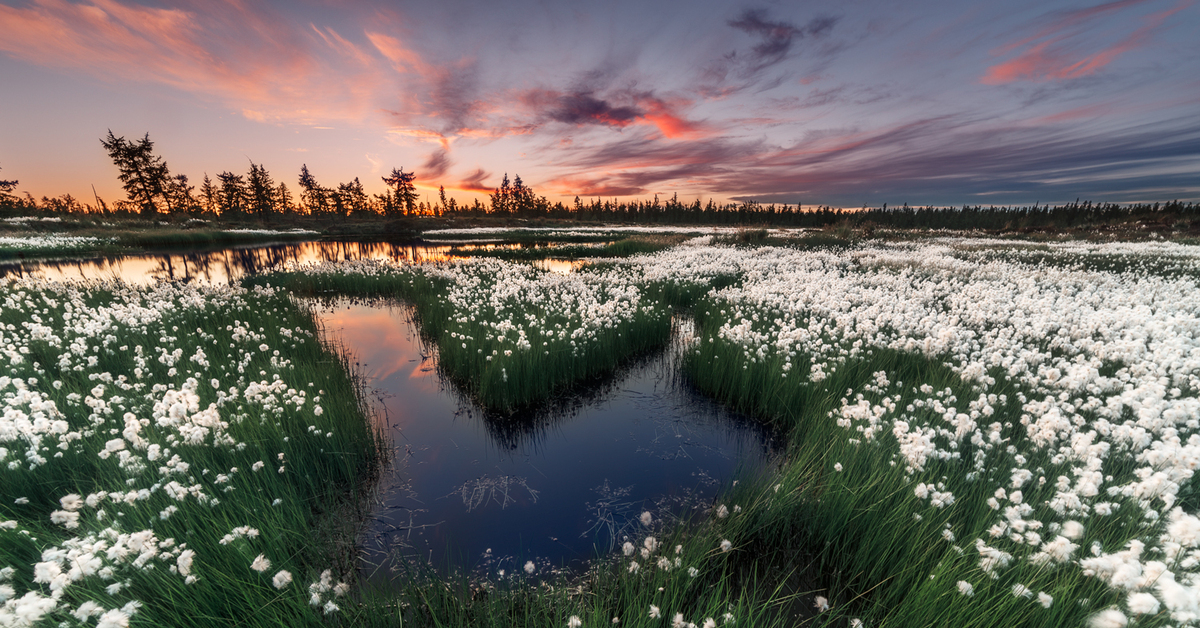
513, 351
326, 472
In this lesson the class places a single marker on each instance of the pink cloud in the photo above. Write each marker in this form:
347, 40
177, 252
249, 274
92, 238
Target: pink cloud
1056, 55
251, 61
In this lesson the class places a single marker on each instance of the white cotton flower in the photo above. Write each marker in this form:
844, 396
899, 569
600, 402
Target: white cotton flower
821, 603
655, 613
331, 608
1044, 599
837, 466
1109, 618
1142, 604
184, 562
113, 619
726, 545
677, 621
646, 518
1020, 590
529, 567
282, 579
261, 563
574, 622
965, 588
722, 512
1072, 530
709, 622
628, 548
71, 502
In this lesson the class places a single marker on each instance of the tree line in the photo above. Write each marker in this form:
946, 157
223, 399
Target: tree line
152, 190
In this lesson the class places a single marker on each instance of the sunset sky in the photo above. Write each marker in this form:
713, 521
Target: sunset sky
838, 103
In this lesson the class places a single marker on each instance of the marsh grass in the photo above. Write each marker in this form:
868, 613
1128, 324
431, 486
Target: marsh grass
859, 525
328, 458
476, 349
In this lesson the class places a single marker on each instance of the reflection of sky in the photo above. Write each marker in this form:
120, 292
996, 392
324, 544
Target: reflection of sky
219, 266
638, 432
841, 103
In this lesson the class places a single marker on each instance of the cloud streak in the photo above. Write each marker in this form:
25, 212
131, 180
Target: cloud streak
1059, 52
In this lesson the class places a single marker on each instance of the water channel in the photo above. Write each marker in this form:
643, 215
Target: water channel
468, 490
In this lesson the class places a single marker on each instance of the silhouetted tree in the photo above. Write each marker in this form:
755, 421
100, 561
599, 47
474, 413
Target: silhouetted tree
180, 194
283, 199
404, 190
260, 190
502, 197
233, 194
6, 188
143, 174
209, 196
315, 198
353, 198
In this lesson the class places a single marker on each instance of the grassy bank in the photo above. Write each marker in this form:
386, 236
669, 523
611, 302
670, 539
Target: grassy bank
174, 456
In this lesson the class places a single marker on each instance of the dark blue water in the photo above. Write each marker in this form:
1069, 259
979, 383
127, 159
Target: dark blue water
475, 492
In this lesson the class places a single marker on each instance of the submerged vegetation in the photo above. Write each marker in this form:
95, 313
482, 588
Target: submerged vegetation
981, 434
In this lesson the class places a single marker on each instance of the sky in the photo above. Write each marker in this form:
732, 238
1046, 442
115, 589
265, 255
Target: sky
840, 103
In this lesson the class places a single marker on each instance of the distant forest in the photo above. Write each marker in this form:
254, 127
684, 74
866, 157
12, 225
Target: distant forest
152, 190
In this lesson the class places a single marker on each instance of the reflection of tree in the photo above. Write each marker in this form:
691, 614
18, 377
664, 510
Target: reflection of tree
232, 263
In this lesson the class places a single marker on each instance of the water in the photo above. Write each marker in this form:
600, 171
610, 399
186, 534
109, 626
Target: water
481, 492
230, 264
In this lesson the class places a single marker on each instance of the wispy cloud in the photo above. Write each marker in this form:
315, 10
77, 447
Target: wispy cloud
249, 58
1065, 49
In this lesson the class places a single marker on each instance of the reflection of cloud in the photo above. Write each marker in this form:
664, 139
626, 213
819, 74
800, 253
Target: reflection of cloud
1060, 50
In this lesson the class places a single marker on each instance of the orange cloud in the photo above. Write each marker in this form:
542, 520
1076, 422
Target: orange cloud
253, 62
1053, 58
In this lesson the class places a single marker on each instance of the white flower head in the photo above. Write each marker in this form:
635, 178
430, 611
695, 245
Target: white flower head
282, 579
261, 563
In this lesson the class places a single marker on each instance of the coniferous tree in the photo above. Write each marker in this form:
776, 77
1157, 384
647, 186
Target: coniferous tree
283, 199
181, 194
502, 197
233, 194
260, 190
209, 196
143, 174
405, 192
442, 197
315, 198
6, 188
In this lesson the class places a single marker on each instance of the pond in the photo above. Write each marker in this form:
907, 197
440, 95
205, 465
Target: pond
481, 492
232, 263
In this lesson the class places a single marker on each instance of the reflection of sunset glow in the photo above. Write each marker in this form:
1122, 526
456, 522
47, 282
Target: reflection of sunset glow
223, 265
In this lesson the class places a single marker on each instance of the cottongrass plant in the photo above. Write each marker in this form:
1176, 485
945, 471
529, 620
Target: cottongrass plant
510, 334
980, 437
170, 455
980, 440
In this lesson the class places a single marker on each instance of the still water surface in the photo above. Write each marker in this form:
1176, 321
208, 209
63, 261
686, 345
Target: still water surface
224, 265
484, 492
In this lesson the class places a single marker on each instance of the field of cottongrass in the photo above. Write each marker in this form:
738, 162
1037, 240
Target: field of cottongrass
172, 456
982, 433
